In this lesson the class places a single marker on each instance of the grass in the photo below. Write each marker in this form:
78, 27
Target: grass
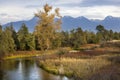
20, 54
77, 68
100, 63
110, 72
23, 54
89, 46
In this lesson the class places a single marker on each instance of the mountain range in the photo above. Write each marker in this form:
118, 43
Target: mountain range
69, 23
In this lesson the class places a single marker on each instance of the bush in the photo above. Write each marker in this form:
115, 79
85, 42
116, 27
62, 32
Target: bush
61, 52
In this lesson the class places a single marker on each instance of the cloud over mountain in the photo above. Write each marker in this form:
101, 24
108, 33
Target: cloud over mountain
25, 9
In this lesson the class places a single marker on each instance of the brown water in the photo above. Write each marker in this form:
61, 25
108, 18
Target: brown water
25, 70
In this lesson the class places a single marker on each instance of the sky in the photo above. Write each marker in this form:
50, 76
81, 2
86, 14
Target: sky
16, 10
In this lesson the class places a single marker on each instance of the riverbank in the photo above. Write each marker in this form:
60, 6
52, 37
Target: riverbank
102, 63
21, 54
87, 64
25, 69
78, 68
24, 54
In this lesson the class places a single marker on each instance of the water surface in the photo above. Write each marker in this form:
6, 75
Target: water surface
20, 69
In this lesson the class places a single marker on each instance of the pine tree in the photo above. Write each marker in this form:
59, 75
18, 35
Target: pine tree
14, 36
26, 40
102, 32
6, 41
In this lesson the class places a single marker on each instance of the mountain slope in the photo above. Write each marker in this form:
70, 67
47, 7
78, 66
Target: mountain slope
111, 23
30, 24
69, 23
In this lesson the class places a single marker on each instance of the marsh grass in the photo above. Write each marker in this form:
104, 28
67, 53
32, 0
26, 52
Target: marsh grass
102, 63
77, 68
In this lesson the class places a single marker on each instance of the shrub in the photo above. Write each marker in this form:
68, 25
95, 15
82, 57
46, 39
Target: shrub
61, 52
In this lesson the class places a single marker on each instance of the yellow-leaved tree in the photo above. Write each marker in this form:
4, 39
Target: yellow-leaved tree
47, 28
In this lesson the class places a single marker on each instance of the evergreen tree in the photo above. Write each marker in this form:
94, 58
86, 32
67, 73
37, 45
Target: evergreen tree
91, 37
65, 39
6, 41
57, 41
31, 42
26, 40
77, 38
14, 36
103, 32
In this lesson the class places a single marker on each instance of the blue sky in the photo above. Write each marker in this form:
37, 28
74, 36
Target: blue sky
15, 10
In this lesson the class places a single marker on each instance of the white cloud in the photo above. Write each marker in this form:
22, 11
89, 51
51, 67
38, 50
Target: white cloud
23, 10
60, 2
96, 12
15, 14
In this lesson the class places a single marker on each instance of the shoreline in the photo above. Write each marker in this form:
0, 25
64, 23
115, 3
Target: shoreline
21, 54
53, 71
82, 68
80, 65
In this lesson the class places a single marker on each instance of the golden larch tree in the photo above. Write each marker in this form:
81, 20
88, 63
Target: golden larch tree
47, 26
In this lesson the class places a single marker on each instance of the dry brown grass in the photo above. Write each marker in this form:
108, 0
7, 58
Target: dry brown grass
94, 64
110, 72
102, 63
77, 68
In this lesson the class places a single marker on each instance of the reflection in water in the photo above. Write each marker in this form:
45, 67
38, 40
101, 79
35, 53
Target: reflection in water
25, 70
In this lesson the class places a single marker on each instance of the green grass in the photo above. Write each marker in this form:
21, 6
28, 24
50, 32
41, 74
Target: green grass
21, 54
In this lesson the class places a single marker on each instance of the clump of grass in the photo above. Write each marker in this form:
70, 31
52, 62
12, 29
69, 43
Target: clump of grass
50, 66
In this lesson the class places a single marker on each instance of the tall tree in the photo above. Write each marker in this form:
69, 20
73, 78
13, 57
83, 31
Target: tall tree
65, 39
77, 38
26, 40
103, 32
100, 28
47, 27
6, 41
91, 37
14, 36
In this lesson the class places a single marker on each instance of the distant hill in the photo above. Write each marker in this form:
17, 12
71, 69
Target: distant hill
30, 24
69, 23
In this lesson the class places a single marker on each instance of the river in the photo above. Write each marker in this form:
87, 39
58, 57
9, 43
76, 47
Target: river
25, 69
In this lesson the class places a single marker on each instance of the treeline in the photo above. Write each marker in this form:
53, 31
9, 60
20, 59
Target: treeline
10, 40
77, 37
47, 35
